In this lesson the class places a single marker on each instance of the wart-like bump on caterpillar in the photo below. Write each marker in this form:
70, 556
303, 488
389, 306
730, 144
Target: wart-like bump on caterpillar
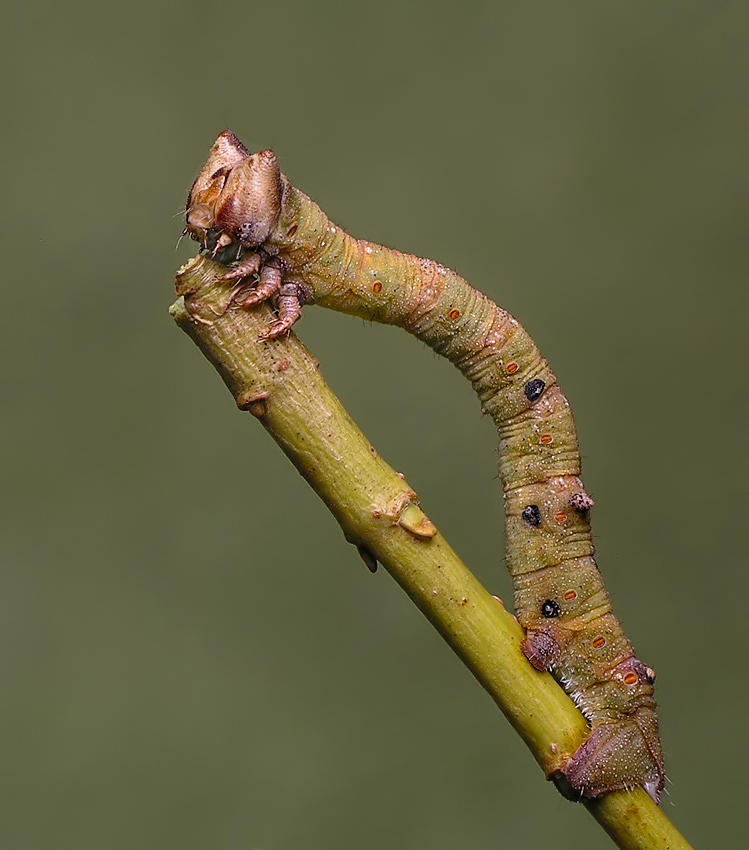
581, 502
247, 215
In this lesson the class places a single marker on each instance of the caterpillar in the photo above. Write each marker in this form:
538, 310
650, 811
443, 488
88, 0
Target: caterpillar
278, 245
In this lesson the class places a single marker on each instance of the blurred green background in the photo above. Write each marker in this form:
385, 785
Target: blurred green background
192, 655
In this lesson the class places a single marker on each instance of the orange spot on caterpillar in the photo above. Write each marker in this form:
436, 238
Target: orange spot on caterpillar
570, 595
599, 642
292, 230
546, 439
512, 368
561, 516
377, 286
630, 679
454, 313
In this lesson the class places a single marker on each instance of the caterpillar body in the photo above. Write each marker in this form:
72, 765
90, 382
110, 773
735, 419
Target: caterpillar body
279, 245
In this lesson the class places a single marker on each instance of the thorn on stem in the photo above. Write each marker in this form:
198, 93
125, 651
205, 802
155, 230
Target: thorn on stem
368, 558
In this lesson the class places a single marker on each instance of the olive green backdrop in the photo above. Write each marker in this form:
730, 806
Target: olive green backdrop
192, 657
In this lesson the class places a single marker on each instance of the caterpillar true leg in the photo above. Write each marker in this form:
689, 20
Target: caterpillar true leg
287, 298
267, 286
248, 265
289, 305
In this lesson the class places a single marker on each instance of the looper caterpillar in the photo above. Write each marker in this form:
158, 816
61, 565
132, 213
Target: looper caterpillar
282, 247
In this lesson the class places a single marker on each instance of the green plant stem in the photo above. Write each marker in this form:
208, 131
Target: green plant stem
279, 382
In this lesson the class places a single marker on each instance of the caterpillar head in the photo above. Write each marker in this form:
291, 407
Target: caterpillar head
236, 198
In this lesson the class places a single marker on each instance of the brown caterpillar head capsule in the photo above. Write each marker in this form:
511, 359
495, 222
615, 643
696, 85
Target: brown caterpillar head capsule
236, 197
227, 151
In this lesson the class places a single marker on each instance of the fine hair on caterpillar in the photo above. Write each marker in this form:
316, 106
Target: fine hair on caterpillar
280, 247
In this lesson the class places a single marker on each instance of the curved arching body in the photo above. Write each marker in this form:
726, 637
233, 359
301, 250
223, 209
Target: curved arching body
248, 215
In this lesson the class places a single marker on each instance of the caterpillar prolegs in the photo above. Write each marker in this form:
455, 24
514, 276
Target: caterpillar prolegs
280, 246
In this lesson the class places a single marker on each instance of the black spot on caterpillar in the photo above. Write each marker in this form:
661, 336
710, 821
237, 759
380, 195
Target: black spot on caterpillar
244, 212
550, 609
533, 389
532, 515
